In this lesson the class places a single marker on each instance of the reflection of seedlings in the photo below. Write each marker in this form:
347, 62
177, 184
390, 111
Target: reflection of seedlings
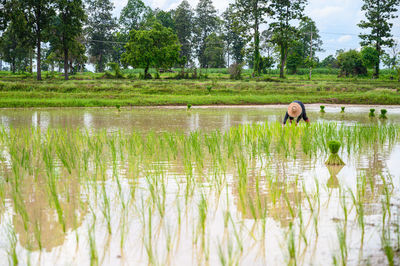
372, 112
334, 158
12, 252
291, 246
322, 109
387, 246
341, 234
334, 170
383, 114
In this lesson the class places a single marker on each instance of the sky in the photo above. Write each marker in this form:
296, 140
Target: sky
336, 20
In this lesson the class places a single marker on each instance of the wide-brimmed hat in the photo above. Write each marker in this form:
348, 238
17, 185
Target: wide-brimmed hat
294, 110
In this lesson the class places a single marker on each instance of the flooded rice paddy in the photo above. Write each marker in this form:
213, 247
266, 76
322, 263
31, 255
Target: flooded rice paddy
209, 186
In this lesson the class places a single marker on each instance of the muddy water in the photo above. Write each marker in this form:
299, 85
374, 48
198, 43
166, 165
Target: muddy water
178, 118
82, 200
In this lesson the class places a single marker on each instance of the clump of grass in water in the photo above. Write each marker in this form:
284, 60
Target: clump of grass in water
383, 114
334, 158
322, 109
342, 109
371, 112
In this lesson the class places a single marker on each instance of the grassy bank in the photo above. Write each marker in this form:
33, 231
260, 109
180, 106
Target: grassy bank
87, 90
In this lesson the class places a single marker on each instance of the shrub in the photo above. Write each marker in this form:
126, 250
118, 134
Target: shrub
351, 63
235, 71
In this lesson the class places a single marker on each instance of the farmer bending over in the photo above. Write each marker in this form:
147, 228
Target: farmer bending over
296, 110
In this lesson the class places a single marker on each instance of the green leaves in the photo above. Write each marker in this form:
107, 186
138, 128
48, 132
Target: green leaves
158, 47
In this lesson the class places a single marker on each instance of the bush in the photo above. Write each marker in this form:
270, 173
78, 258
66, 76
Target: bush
235, 71
351, 63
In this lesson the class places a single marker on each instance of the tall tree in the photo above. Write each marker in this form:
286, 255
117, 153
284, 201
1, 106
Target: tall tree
134, 15
378, 14
183, 20
284, 33
253, 13
67, 26
234, 34
206, 23
16, 38
101, 25
38, 14
214, 51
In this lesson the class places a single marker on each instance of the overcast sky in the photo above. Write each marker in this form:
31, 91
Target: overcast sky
336, 19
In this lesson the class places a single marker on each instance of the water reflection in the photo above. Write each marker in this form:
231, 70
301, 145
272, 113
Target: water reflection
36, 219
173, 119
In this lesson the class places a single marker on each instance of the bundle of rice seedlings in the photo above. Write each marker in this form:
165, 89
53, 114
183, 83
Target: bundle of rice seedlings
342, 109
334, 158
383, 114
371, 112
322, 109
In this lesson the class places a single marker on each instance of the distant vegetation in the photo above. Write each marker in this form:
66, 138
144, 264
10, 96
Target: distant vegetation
64, 36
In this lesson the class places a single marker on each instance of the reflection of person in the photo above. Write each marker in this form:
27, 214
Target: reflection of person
296, 110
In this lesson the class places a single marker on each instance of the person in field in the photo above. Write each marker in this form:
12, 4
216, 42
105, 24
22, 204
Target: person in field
296, 110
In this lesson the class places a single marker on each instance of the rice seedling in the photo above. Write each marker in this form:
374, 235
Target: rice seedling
12, 251
189, 106
334, 158
322, 108
342, 109
118, 107
383, 114
371, 112
209, 88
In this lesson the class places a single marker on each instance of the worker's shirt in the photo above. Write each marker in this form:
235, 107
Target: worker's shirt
302, 116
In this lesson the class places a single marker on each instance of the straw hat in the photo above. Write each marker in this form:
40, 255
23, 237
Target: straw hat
294, 110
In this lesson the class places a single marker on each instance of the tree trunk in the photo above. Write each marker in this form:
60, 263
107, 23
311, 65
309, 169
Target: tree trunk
377, 70
282, 68
66, 66
39, 70
30, 62
257, 71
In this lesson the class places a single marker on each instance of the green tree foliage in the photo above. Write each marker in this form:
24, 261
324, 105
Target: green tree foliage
253, 12
16, 39
378, 15
310, 39
67, 26
165, 18
183, 21
158, 47
330, 61
284, 33
351, 63
101, 25
295, 57
134, 16
38, 14
206, 22
370, 56
234, 34
214, 52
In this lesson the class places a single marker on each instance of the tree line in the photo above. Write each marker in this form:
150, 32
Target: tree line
259, 33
